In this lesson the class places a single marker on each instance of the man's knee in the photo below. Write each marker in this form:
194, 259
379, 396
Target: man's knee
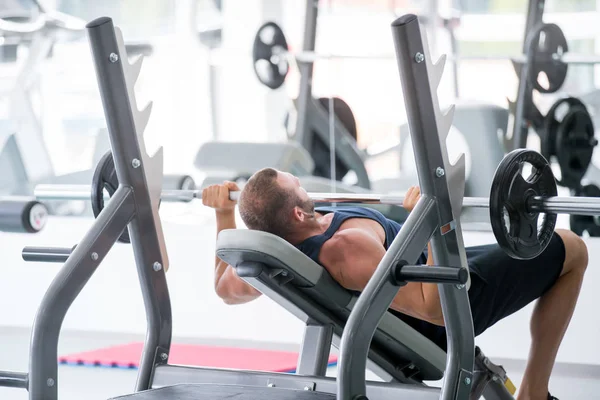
576, 251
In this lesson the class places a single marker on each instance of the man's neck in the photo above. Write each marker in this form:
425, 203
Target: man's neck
321, 223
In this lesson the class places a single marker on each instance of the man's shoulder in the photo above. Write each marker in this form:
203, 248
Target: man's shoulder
346, 243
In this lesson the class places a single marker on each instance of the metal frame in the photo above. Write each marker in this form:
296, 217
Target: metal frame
437, 213
306, 73
28, 127
312, 117
524, 110
138, 174
316, 346
167, 375
318, 121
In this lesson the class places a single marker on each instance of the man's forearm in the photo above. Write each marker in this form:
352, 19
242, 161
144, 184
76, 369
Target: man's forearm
225, 220
230, 287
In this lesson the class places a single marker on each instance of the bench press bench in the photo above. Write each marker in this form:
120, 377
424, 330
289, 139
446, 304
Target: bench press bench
294, 281
398, 352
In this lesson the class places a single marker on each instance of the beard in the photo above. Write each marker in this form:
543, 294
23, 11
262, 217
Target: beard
308, 206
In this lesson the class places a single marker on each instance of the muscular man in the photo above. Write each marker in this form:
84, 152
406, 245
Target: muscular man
350, 242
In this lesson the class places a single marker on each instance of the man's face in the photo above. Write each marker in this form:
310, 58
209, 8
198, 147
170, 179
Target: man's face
291, 183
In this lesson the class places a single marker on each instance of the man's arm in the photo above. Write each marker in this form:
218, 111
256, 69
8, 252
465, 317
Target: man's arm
228, 285
352, 256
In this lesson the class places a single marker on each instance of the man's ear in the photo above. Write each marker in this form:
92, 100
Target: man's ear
298, 214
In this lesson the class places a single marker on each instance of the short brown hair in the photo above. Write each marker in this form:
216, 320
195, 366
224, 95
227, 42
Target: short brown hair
266, 206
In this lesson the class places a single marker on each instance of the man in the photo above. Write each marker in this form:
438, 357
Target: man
350, 242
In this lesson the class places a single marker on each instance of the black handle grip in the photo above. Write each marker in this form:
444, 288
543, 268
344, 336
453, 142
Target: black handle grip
47, 254
430, 274
13, 379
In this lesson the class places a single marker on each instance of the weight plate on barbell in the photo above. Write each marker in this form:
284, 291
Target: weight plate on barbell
521, 234
585, 223
269, 55
105, 178
575, 143
547, 44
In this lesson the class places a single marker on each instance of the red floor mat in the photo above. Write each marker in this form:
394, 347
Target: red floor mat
128, 356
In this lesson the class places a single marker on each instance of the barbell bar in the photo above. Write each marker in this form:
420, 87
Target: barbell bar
537, 204
567, 58
308, 56
270, 43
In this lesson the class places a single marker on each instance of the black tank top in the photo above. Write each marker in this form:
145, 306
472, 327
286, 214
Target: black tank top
312, 246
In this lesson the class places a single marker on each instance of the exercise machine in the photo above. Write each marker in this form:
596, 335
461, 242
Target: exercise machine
134, 206
360, 325
209, 29
27, 23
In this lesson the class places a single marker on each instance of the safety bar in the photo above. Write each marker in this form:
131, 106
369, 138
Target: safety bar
430, 274
14, 379
46, 254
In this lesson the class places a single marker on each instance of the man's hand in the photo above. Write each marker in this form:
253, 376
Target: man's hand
412, 197
217, 197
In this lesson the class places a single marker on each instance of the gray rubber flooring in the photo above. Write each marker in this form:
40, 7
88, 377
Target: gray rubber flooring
569, 382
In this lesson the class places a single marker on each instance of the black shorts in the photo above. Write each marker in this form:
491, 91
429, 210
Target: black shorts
500, 286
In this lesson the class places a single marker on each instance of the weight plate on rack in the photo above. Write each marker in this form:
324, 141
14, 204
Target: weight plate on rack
575, 143
552, 121
522, 234
321, 151
270, 63
546, 45
105, 178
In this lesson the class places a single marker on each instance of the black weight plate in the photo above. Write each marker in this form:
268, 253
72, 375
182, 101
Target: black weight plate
546, 42
585, 223
270, 66
105, 178
551, 124
518, 231
321, 152
575, 143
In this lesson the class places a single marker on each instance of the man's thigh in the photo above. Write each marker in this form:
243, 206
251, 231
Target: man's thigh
501, 285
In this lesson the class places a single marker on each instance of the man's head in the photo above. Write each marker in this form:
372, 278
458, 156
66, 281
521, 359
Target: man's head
273, 201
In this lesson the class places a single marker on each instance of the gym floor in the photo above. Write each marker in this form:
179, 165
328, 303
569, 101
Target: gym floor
93, 383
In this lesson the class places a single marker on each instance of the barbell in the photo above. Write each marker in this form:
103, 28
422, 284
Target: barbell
271, 56
516, 202
554, 204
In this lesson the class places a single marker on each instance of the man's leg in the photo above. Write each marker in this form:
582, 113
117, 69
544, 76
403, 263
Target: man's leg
551, 317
